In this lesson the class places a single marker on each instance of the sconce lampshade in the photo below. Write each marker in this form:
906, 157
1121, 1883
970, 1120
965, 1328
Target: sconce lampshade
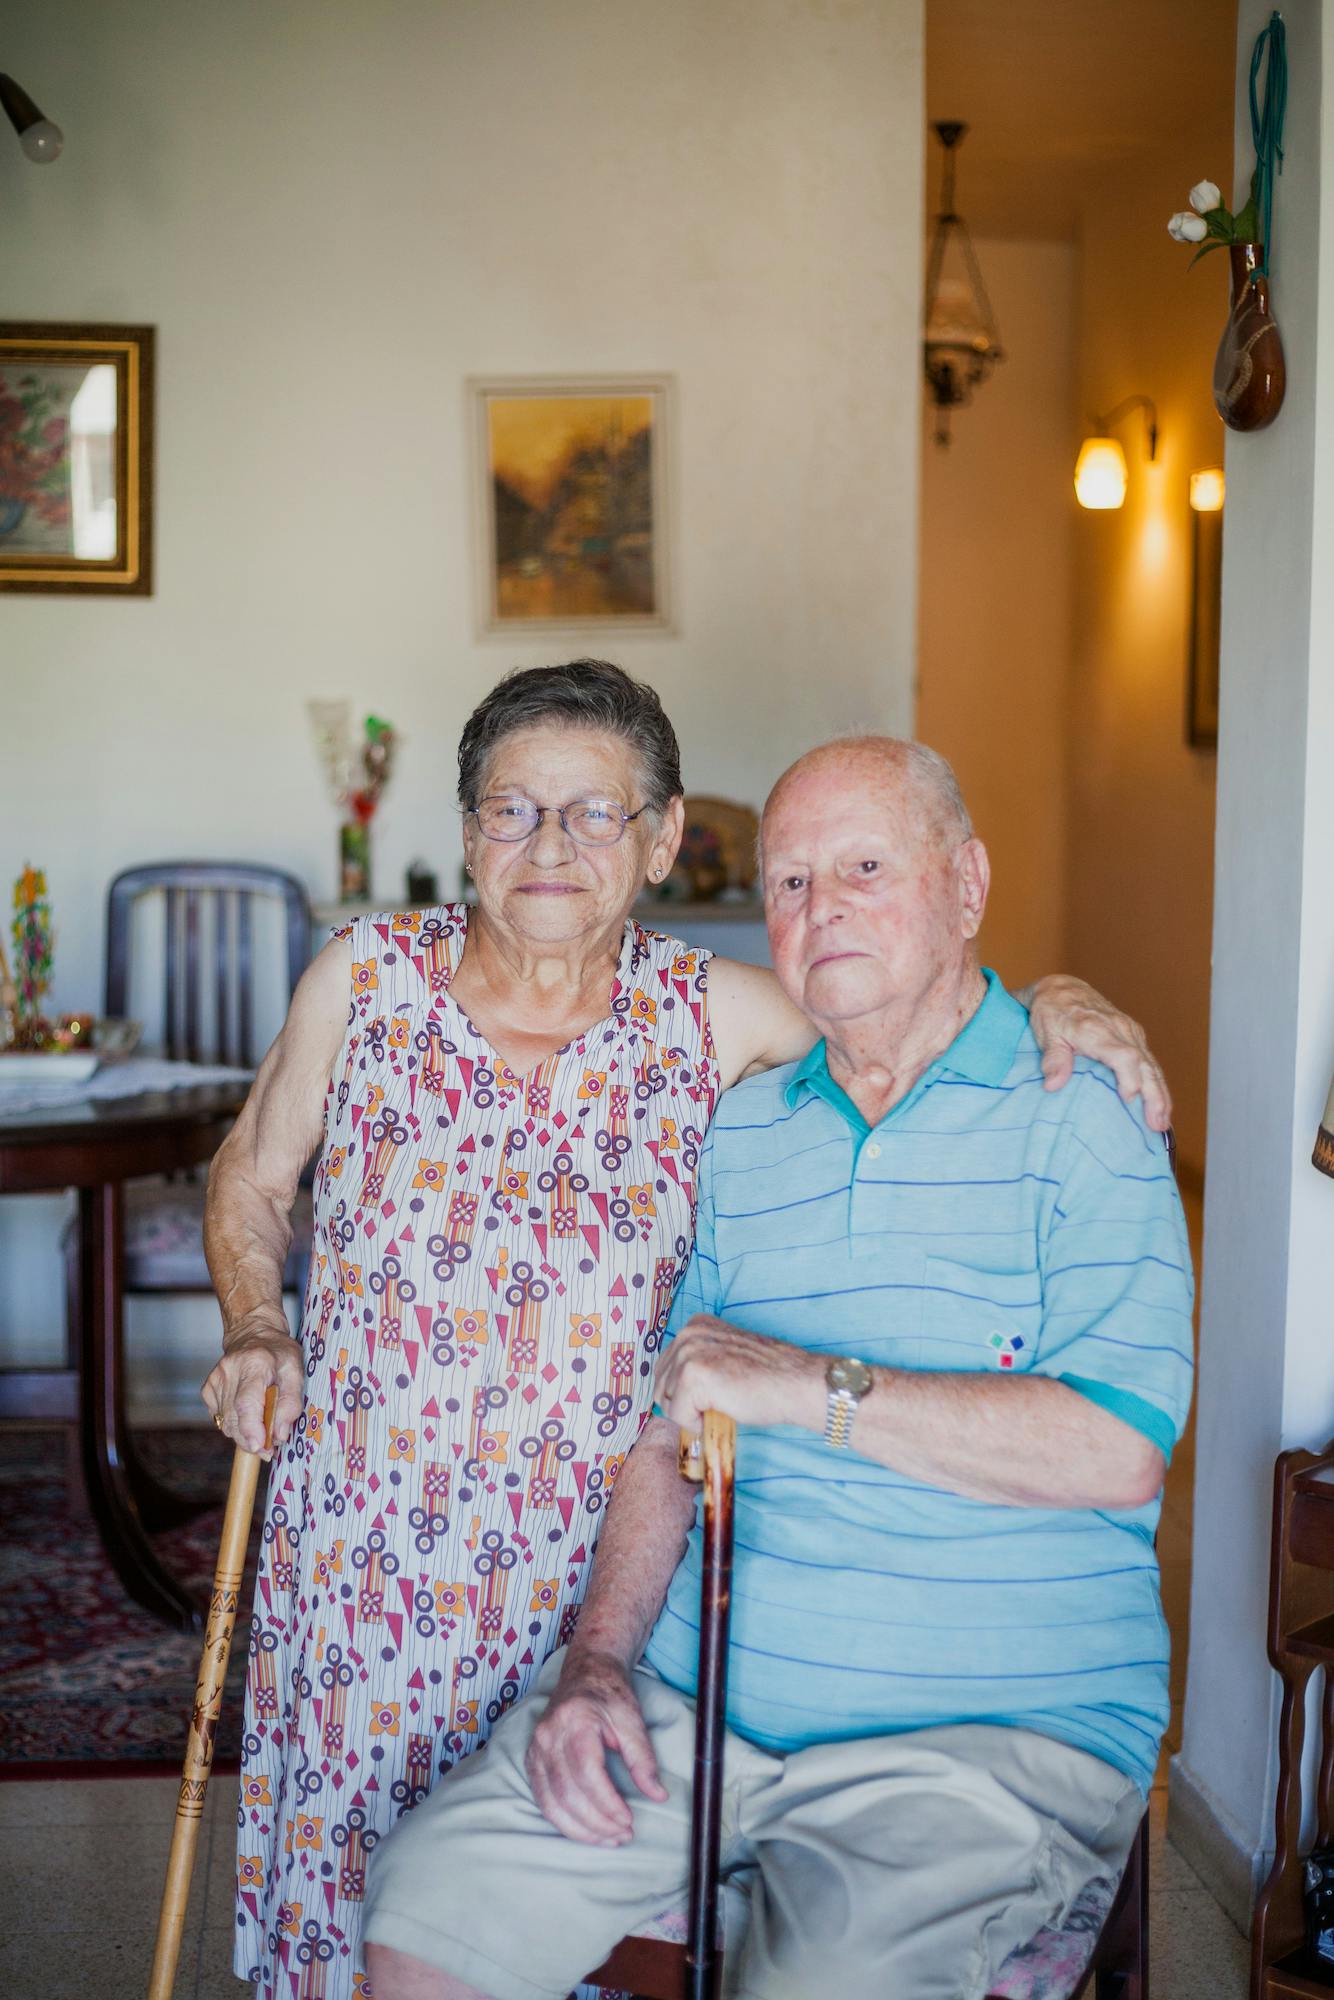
960, 344
1206, 490
1100, 473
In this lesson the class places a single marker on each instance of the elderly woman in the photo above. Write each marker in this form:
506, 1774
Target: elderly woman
510, 1102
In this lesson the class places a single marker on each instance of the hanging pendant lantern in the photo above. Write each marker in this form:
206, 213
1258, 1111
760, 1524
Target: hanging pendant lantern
960, 344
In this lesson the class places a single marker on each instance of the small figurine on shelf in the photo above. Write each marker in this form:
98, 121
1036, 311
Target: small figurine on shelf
356, 780
33, 941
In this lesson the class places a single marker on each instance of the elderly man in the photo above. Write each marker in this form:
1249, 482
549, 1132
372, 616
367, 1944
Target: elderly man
951, 1314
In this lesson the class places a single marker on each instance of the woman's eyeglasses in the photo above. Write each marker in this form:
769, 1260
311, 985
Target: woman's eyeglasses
592, 822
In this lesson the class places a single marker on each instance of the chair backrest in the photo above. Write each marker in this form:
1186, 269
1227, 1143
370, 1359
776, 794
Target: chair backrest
208, 950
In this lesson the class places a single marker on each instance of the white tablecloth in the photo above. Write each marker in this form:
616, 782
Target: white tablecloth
114, 1079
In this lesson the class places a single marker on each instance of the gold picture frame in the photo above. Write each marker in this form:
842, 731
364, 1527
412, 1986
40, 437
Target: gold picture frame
570, 502
76, 458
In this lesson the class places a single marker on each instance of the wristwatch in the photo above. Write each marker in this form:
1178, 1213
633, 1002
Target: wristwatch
847, 1382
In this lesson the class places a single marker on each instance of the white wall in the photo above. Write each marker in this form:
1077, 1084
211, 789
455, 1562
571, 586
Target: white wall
1141, 801
1267, 1373
996, 602
333, 216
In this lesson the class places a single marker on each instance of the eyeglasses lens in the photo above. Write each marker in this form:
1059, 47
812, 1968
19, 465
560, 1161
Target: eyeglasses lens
592, 822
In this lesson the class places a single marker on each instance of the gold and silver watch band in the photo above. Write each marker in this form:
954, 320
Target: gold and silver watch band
839, 1413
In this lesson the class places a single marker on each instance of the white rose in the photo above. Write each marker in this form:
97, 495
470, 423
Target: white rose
1188, 228
1204, 196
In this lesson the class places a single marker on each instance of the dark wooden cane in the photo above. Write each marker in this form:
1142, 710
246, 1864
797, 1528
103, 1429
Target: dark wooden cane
223, 1606
711, 1458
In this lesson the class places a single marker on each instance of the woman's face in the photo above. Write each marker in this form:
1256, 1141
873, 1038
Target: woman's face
549, 887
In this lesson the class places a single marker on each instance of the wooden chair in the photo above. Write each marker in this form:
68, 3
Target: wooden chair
1301, 1638
208, 951
675, 1960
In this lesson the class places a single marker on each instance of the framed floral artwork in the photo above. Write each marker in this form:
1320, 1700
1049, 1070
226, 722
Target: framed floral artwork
570, 476
76, 458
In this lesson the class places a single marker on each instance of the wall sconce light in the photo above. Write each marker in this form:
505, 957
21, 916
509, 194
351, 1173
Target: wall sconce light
39, 138
1206, 490
1100, 471
1206, 606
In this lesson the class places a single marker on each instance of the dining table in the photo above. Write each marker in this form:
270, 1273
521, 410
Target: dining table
144, 1118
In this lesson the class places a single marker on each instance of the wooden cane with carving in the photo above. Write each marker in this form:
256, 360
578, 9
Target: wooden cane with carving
712, 1458
223, 1607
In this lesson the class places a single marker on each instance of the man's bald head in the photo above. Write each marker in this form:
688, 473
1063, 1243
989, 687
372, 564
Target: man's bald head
893, 766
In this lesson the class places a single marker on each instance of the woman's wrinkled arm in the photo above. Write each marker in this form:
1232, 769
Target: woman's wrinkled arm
755, 1026
251, 1187
1070, 1018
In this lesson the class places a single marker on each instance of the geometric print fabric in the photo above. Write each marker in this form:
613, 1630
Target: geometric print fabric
493, 1262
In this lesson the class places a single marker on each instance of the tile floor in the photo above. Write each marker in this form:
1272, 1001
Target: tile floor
81, 1865
81, 1861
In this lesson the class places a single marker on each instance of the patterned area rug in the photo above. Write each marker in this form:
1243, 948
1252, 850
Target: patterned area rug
89, 1683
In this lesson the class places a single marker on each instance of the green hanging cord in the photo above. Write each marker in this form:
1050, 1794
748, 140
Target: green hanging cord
1267, 127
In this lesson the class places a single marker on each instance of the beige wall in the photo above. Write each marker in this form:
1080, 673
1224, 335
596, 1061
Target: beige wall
335, 215
995, 602
1054, 642
1141, 801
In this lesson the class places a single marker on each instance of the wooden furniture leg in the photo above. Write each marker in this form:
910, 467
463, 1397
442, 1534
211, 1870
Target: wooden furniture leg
1301, 1638
158, 1506
1121, 1959
106, 1471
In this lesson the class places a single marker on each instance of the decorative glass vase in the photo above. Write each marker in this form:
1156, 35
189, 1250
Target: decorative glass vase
354, 861
1250, 375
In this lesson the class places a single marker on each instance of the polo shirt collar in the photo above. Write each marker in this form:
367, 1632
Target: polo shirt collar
981, 1052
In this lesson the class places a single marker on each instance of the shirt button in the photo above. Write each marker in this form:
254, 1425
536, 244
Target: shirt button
873, 1151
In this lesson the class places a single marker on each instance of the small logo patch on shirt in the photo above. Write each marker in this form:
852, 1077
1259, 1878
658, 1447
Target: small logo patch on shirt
1004, 1347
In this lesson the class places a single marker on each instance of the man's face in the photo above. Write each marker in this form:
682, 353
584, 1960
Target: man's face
868, 905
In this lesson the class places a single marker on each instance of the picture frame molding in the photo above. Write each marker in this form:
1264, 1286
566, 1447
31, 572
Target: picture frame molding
129, 572
478, 390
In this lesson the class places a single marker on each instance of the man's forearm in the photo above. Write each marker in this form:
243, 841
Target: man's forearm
1021, 1441
649, 1518
1017, 1441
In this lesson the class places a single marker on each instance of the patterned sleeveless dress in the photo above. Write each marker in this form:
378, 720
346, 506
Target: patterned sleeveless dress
494, 1258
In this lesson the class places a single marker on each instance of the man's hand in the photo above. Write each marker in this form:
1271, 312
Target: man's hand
1070, 1019
255, 1359
592, 1711
712, 1365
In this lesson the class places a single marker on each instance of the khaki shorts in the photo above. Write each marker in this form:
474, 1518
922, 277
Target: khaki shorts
892, 1868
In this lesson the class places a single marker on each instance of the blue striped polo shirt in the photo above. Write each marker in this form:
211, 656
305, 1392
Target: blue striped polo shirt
984, 1225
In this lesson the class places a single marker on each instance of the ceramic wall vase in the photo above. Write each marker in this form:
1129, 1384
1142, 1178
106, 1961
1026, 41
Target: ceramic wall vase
1250, 375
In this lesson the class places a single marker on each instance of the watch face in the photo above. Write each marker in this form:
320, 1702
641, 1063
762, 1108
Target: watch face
854, 1376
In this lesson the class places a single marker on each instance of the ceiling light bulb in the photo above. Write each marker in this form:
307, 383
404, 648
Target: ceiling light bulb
39, 138
1100, 475
42, 141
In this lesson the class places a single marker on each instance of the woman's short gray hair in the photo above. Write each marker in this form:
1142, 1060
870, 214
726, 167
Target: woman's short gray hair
582, 694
